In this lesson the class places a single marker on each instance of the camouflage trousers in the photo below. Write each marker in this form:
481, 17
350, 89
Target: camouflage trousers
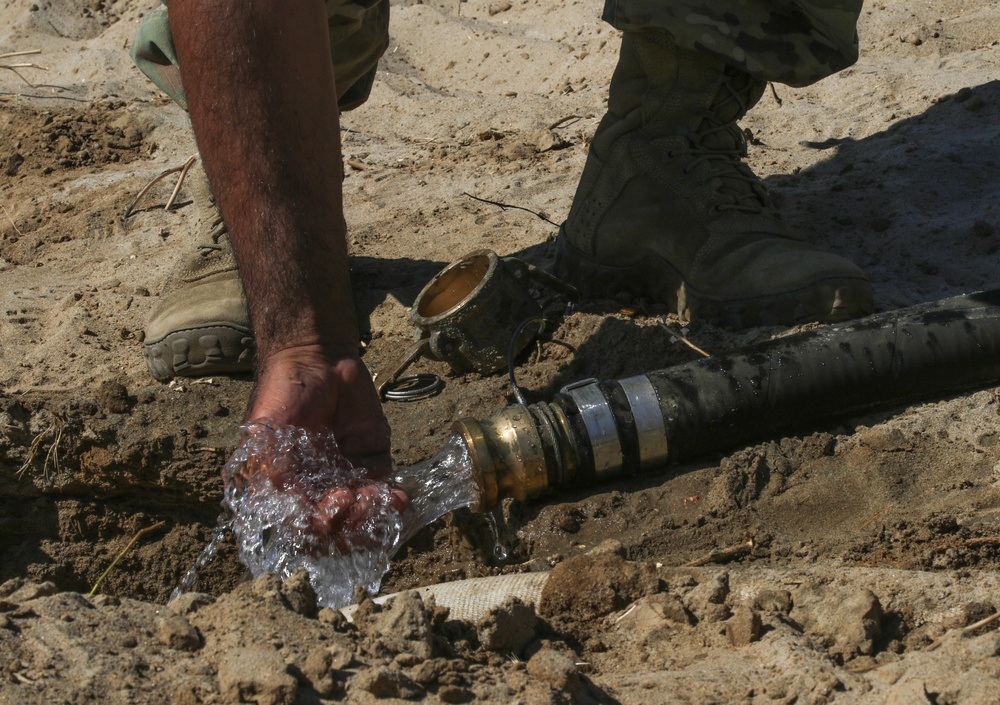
359, 34
796, 42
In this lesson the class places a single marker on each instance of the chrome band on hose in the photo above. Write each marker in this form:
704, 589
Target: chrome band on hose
600, 425
649, 426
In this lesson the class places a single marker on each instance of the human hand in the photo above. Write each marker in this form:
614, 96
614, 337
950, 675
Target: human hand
301, 396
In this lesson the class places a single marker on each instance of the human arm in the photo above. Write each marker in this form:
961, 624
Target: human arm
263, 103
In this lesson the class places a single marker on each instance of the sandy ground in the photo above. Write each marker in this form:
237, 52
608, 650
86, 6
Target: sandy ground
870, 547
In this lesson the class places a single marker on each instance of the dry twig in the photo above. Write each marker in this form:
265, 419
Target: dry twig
180, 180
505, 206
26, 52
51, 455
964, 631
183, 168
684, 340
723, 555
13, 224
562, 122
128, 547
877, 515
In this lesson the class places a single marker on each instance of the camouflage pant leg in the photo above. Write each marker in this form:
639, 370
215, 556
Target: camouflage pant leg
359, 34
796, 42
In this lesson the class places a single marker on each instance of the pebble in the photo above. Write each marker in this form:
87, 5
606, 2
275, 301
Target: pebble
175, 632
744, 627
335, 618
385, 682
496, 8
256, 674
299, 593
556, 669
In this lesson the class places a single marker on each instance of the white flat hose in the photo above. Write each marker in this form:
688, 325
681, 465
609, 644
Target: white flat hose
471, 600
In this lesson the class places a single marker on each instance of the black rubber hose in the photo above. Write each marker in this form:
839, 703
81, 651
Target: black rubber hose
799, 381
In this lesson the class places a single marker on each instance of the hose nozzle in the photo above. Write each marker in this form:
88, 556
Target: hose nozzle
518, 453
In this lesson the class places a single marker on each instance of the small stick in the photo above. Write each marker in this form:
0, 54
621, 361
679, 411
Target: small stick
684, 340
626, 613
964, 630
354, 163
128, 546
722, 555
774, 92
23, 66
7, 213
505, 206
180, 180
5, 96
26, 52
32, 449
561, 122
877, 515
53, 453
183, 167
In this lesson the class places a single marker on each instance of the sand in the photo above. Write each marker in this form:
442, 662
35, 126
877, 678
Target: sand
870, 546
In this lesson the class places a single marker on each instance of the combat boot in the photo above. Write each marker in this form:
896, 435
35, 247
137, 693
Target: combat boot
201, 325
666, 209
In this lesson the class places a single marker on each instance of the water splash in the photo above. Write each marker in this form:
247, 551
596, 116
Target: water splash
296, 502
207, 555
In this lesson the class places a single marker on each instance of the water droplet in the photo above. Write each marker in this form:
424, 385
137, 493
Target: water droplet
499, 550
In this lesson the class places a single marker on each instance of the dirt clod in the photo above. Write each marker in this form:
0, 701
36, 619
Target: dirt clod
850, 621
299, 593
509, 628
556, 669
744, 627
383, 682
175, 632
256, 674
888, 163
594, 585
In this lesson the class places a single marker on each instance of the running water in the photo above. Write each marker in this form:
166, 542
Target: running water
313, 510
207, 556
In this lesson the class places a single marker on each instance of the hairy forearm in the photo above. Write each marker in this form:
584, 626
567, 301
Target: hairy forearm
261, 95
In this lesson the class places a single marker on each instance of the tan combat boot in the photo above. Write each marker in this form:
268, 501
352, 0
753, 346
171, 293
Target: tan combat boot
201, 325
666, 208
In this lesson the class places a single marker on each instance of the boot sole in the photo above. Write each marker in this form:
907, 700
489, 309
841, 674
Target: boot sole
212, 349
823, 301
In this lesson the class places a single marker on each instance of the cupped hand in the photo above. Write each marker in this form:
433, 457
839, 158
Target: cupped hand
302, 389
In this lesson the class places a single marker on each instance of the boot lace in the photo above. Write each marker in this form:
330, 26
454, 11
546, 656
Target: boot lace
719, 144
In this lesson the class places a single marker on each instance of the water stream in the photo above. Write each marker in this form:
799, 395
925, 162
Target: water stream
296, 502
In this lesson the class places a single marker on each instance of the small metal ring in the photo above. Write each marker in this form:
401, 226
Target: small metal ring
413, 387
